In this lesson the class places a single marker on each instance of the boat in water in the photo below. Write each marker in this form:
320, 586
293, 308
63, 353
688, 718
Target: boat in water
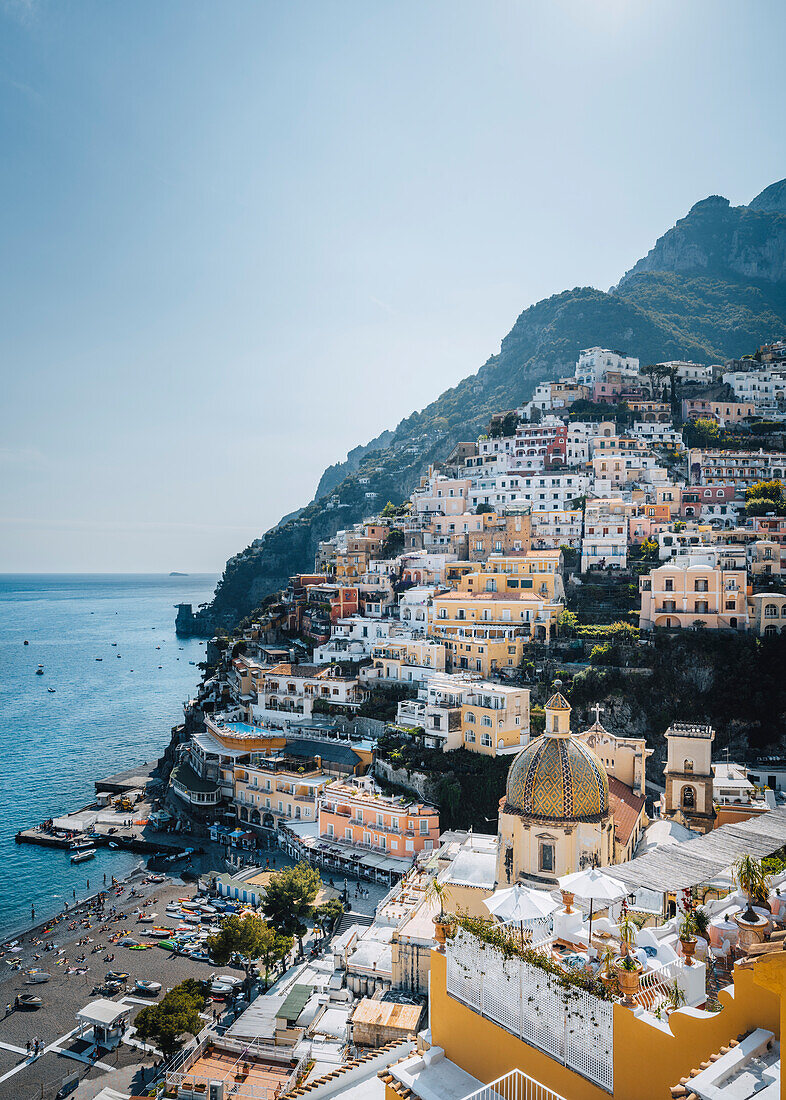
51, 690
85, 854
40, 670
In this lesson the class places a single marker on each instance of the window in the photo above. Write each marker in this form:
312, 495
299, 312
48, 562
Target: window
469, 736
546, 857
471, 718
688, 798
687, 765
668, 584
770, 611
486, 740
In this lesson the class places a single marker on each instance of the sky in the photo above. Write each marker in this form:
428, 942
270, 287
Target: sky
238, 239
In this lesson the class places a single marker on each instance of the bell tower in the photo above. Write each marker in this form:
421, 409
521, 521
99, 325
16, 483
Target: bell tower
688, 775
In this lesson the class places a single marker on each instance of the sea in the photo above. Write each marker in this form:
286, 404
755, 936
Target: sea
101, 716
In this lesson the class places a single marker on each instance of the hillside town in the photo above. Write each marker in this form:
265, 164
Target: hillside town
495, 887
612, 891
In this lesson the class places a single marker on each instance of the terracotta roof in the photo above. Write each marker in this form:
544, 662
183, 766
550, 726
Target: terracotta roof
626, 806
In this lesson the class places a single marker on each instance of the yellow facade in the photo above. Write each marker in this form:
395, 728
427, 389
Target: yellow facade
648, 1060
495, 719
485, 654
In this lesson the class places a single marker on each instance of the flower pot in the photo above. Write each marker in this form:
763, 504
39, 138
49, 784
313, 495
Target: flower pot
688, 947
629, 983
440, 929
751, 932
567, 900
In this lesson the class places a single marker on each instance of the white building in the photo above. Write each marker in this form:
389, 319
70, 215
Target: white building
605, 541
689, 372
594, 362
556, 527
542, 491
352, 639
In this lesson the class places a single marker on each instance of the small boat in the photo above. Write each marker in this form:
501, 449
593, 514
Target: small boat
26, 642
114, 643
220, 990
169, 945
128, 941
112, 844
119, 656
147, 918
160, 933
51, 690
152, 989
116, 976
36, 976
99, 658
85, 854
27, 1001
40, 670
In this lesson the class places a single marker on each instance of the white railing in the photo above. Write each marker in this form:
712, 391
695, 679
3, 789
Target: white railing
572, 1026
514, 1086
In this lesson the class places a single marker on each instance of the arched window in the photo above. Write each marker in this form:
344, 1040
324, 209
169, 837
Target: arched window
771, 611
770, 629
688, 798
485, 721
471, 718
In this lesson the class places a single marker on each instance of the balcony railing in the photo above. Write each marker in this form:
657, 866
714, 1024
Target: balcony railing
515, 1085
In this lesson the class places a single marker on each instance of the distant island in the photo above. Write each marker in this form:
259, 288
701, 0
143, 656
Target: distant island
174, 573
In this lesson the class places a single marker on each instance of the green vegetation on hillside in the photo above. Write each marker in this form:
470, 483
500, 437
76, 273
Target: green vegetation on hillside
663, 309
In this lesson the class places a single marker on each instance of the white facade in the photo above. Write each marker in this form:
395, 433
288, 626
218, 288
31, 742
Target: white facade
594, 362
605, 541
765, 389
657, 434
689, 372
557, 527
543, 491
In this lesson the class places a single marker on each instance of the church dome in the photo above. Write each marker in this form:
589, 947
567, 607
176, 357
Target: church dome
556, 776
559, 778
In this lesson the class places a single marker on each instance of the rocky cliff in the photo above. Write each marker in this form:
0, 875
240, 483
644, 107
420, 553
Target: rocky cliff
713, 287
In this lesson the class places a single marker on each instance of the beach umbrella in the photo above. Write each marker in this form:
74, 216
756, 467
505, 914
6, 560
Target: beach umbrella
519, 903
593, 885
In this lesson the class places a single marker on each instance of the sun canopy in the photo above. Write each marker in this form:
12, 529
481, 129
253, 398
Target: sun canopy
520, 903
701, 860
593, 885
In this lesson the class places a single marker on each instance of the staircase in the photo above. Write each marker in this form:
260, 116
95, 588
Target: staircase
363, 919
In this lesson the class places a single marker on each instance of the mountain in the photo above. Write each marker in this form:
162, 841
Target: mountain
712, 287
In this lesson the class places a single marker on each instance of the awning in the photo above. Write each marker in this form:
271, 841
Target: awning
696, 862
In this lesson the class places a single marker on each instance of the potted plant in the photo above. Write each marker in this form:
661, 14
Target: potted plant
439, 891
606, 973
627, 933
567, 900
701, 922
754, 883
686, 931
629, 976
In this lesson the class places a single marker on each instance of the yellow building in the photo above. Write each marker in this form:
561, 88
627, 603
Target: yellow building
405, 661
495, 719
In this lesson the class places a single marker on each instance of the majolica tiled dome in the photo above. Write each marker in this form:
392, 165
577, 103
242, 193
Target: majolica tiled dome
558, 777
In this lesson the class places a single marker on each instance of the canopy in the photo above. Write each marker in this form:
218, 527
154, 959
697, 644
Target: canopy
703, 859
594, 885
519, 903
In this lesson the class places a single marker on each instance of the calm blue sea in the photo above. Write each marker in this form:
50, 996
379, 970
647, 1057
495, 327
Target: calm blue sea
103, 716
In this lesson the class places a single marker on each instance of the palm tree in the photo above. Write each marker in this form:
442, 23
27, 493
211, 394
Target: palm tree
438, 891
754, 882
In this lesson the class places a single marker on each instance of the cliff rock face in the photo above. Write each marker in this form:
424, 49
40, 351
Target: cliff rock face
713, 287
746, 242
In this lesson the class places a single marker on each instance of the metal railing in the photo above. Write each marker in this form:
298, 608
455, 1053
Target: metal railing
515, 1085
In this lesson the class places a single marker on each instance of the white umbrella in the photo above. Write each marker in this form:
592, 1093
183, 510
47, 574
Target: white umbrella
593, 885
519, 903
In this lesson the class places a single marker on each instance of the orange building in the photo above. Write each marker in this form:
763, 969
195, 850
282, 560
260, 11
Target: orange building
359, 814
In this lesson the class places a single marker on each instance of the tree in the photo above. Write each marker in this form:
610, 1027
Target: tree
567, 622
393, 544
329, 913
649, 548
274, 948
177, 1014
701, 432
483, 508
289, 900
244, 936
765, 496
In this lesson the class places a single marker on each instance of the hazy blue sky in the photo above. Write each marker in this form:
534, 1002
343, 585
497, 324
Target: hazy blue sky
240, 238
